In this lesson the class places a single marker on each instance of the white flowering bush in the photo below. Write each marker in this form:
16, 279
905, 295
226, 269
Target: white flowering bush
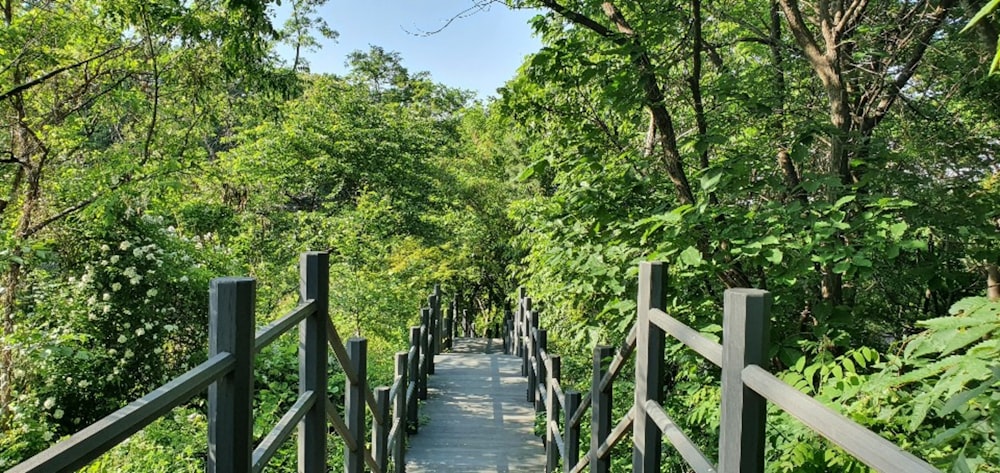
121, 315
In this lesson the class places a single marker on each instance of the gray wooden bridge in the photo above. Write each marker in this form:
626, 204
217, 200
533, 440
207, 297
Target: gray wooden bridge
480, 408
477, 417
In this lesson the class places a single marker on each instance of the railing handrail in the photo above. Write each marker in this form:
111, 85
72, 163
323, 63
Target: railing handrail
88, 444
746, 387
228, 376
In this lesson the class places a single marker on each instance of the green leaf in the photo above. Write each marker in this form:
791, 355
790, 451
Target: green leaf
987, 9
799, 364
962, 338
944, 437
970, 305
896, 230
710, 181
535, 168
859, 358
844, 201
810, 372
769, 240
913, 245
964, 397
892, 251
922, 404
775, 256
691, 257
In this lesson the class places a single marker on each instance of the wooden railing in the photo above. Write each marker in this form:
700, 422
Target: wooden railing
228, 377
746, 389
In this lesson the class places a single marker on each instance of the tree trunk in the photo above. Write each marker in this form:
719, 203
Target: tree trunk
993, 282
653, 97
789, 172
654, 100
695, 82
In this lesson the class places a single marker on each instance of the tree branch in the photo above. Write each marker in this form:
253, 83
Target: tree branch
652, 93
40, 80
84, 204
653, 96
801, 33
851, 16
826, 26
584, 21
11, 159
895, 88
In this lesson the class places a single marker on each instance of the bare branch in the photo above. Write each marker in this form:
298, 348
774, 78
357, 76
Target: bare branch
937, 19
851, 16
11, 159
585, 21
477, 7
826, 26
805, 39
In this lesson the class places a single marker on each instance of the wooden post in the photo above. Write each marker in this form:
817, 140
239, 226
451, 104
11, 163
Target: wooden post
469, 326
540, 375
412, 406
518, 326
553, 374
437, 310
435, 304
454, 319
508, 335
432, 327
529, 357
647, 440
354, 402
231, 328
526, 332
427, 348
380, 428
449, 326
314, 283
745, 331
444, 329
600, 410
399, 414
571, 439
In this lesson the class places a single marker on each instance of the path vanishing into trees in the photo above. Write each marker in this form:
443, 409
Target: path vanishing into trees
482, 397
477, 417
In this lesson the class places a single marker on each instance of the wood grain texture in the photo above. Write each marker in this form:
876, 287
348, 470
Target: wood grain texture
745, 333
232, 307
478, 420
600, 407
314, 284
649, 368
354, 417
865, 445
89, 443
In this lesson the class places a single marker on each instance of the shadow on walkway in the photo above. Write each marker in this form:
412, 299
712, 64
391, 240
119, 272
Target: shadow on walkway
476, 413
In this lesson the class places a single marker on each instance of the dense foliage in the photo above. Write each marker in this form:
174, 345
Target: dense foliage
842, 155
136, 170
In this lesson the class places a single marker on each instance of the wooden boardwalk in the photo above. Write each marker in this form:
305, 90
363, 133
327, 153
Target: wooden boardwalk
477, 419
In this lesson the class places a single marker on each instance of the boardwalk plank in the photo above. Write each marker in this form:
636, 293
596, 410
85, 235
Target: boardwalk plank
478, 420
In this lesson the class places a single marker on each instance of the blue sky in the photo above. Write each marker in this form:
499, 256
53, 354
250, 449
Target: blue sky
478, 52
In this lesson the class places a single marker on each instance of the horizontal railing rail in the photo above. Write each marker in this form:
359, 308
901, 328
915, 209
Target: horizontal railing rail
746, 388
228, 377
89, 443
